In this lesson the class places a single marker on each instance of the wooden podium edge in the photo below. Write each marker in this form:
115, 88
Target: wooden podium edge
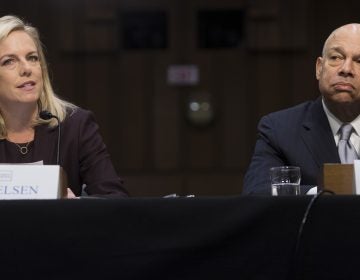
339, 178
63, 183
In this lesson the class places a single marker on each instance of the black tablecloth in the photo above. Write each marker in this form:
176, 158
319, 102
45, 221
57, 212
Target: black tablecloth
180, 238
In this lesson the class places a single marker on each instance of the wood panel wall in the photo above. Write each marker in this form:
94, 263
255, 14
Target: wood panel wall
142, 118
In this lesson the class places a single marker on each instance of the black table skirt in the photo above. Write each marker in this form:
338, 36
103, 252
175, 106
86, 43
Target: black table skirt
180, 238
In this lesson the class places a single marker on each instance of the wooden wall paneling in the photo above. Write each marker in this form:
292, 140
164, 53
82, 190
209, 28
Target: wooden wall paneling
63, 64
62, 36
252, 110
200, 142
263, 35
195, 148
10, 8
293, 19
79, 71
101, 11
215, 4
284, 80
262, 26
144, 4
167, 114
149, 93
98, 93
268, 85
100, 37
263, 7
167, 110
64, 78
232, 71
220, 79
203, 148
200, 148
133, 85
182, 30
160, 134
116, 118
100, 47
72, 50
26, 10
70, 23
215, 183
303, 84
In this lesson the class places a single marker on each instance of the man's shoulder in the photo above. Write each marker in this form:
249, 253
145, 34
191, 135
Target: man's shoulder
294, 116
298, 111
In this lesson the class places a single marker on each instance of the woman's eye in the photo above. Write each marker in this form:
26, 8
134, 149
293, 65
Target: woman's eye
8, 61
34, 58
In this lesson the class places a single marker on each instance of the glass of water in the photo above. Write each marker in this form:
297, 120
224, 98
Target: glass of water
285, 180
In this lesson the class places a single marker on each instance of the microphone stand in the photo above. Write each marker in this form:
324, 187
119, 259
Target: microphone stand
46, 115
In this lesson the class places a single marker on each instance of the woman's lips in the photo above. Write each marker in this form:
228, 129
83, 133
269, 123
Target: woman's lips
27, 86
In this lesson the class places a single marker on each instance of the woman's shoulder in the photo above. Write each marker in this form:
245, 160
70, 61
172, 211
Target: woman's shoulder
78, 114
77, 118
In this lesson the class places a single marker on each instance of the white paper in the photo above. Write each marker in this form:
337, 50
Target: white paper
312, 191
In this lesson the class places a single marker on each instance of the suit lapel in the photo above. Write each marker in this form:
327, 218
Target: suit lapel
45, 143
317, 135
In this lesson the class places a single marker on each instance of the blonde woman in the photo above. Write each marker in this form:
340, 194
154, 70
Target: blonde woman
26, 136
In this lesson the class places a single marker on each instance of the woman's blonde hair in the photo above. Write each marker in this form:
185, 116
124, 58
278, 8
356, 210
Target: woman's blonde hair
48, 100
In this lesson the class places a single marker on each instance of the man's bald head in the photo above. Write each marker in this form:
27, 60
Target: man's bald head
348, 29
338, 72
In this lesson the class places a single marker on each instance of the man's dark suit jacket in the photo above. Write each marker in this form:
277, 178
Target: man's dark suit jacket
83, 154
298, 136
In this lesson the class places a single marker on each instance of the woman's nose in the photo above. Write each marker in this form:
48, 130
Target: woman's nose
25, 68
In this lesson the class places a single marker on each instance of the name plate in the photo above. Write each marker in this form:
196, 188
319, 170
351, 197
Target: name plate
339, 178
32, 182
357, 176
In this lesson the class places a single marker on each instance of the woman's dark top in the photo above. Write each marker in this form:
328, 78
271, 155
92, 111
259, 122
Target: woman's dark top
83, 154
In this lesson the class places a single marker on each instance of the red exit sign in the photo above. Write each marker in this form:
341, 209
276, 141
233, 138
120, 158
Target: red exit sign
183, 75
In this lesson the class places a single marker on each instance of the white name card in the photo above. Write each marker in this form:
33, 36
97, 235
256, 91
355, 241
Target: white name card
357, 176
31, 182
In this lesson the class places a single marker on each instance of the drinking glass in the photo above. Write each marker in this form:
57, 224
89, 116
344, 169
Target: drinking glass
285, 180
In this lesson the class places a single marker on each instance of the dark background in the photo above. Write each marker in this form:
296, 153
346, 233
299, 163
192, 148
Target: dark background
111, 57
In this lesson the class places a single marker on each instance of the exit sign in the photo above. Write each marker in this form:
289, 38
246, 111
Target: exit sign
183, 75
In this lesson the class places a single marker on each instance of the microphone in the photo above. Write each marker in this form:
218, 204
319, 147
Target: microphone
46, 115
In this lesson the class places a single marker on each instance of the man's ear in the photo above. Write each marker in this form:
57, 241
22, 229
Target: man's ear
319, 67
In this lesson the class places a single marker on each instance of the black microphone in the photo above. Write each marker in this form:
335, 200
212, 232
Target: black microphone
46, 115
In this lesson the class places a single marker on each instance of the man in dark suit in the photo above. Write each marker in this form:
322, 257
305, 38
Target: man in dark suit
308, 134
